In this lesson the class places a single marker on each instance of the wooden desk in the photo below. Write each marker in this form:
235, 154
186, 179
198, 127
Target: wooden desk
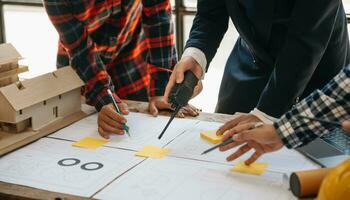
13, 191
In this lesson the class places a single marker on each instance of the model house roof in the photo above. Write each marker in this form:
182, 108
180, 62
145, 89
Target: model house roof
8, 54
32, 91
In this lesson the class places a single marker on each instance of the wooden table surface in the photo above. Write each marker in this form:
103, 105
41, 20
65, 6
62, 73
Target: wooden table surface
13, 191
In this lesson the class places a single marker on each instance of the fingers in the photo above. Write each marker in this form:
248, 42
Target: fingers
110, 129
153, 109
242, 150
110, 122
198, 89
103, 133
179, 73
177, 76
110, 112
194, 108
258, 152
228, 125
180, 114
184, 65
238, 120
190, 110
124, 108
169, 87
227, 135
239, 134
237, 129
253, 158
346, 125
266, 134
158, 102
244, 136
105, 130
230, 146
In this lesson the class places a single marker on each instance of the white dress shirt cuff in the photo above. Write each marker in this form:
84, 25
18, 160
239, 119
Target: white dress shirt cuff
198, 55
267, 119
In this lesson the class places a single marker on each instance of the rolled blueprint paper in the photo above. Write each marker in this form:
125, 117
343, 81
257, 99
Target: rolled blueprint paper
307, 183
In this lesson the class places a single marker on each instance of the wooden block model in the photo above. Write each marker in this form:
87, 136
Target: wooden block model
9, 67
35, 103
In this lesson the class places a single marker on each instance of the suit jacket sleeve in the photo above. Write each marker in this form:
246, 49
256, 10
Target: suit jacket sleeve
309, 33
209, 27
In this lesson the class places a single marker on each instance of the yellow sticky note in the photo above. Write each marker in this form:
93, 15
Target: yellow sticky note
89, 143
211, 136
150, 151
254, 168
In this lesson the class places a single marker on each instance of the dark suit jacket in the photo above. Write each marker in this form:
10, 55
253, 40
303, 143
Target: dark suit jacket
304, 43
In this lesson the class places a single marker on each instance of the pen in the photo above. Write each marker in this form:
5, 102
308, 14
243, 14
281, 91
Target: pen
228, 141
334, 123
125, 127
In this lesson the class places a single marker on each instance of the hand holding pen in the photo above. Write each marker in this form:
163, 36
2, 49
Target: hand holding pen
110, 121
256, 141
228, 140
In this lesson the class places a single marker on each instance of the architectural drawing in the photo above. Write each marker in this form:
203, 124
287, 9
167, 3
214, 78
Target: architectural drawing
175, 178
190, 145
144, 130
36, 165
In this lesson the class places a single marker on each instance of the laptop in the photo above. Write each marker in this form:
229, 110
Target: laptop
329, 150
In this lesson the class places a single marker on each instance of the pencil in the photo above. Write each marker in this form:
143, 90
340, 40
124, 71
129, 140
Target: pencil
125, 127
228, 141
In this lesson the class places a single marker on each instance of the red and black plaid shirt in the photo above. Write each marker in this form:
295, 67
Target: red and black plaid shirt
125, 45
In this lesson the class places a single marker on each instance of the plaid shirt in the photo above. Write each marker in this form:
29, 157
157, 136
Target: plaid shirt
124, 45
331, 103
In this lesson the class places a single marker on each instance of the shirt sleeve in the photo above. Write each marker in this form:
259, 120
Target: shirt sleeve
198, 56
331, 103
158, 27
75, 39
267, 119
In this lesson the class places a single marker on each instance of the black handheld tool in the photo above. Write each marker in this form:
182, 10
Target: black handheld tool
180, 95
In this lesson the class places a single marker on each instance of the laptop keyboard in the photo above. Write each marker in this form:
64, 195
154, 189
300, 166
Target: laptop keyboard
339, 139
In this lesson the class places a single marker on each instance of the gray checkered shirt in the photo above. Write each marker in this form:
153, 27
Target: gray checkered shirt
331, 103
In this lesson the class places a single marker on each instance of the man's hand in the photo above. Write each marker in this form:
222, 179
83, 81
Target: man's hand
177, 76
158, 102
240, 119
263, 139
346, 125
110, 122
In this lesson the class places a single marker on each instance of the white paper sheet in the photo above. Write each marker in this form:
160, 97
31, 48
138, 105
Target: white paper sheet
36, 165
191, 145
174, 179
144, 130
